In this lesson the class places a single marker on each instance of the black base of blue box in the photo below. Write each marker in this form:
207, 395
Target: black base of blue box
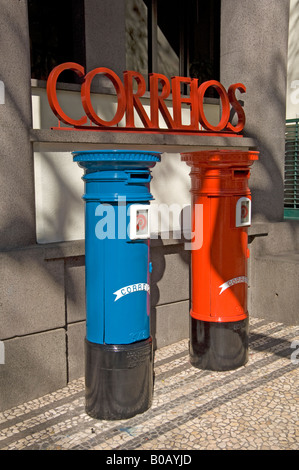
118, 379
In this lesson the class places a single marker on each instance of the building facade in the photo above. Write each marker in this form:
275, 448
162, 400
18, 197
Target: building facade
42, 309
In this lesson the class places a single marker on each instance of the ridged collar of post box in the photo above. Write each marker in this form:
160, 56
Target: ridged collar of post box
220, 171
113, 174
218, 157
141, 158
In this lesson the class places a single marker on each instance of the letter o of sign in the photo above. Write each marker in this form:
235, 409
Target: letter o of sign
86, 100
224, 101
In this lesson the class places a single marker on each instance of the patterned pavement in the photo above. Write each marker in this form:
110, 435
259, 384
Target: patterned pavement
252, 408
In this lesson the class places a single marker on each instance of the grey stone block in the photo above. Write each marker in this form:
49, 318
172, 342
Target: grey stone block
274, 288
31, 293
34, 366
76, 350
282, 237
169, 323
170, 276
75, 289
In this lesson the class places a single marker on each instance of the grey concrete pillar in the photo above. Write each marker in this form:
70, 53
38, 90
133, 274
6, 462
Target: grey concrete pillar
105, 35
17, 214
254, 43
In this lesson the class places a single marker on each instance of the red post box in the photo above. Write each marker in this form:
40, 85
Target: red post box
219, 316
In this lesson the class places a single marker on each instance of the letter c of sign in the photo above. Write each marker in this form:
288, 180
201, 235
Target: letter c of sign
52, 95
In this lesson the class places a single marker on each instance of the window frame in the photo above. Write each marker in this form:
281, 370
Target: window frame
291, 170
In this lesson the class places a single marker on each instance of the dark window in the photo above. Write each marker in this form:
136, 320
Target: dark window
56, 29
174, 37
203, 40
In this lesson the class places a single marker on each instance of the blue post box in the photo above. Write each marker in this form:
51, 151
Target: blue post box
118, 345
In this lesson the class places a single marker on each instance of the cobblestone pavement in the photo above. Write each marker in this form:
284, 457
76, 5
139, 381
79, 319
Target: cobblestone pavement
253, 407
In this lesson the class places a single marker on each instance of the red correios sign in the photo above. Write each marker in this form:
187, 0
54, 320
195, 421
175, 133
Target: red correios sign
160, 89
